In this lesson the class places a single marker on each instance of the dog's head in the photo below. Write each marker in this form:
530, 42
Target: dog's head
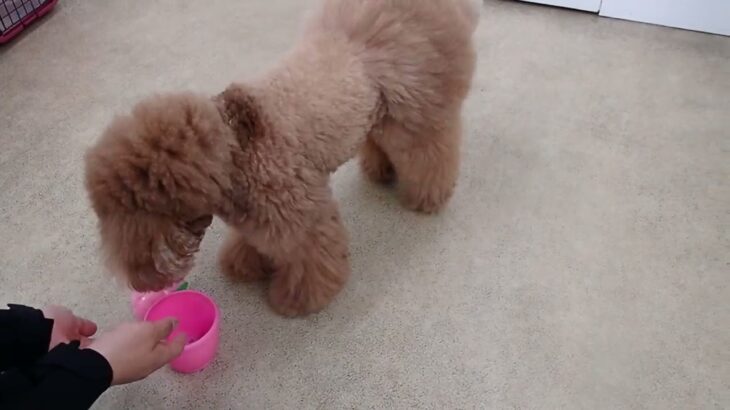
155, 178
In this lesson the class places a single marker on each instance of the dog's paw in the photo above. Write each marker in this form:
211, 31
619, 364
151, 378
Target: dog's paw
428, 202
303, 297
293, 301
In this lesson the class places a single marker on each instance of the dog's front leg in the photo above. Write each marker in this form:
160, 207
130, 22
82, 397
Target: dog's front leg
241, 261
307, 279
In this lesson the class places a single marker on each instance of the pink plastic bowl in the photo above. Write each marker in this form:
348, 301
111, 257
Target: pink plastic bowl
199, 320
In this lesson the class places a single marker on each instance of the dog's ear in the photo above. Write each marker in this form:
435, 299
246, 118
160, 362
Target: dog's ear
242, 111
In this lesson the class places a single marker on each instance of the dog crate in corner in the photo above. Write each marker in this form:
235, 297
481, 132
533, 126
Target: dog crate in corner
16, 15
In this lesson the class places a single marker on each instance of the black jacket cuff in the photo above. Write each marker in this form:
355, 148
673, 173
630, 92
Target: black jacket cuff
66, 378
85, 364
31, 332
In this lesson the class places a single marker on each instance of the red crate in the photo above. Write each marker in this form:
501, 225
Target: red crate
16, 15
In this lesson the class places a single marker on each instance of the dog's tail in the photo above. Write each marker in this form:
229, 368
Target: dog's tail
470, 9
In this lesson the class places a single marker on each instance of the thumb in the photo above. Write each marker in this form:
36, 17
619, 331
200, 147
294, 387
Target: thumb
87, 328
167, 351
162, 328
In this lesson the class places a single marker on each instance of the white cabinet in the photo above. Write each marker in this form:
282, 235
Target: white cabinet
712, 16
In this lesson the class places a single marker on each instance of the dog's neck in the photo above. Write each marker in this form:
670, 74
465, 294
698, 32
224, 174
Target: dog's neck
247, 140
238, 112
231, 141
299, 122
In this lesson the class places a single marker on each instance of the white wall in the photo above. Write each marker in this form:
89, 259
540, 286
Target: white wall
587, 5
712, 16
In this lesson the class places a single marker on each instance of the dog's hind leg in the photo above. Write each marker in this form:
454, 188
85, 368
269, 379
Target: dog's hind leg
426, 165
240, 261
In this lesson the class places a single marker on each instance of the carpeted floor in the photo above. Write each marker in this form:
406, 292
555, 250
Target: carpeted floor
583, 263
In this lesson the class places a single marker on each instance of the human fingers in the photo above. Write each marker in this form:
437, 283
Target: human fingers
163, 327
55, 311
84, 342
86, 327
167, 351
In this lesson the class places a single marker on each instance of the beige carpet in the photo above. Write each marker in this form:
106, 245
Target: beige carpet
584, 262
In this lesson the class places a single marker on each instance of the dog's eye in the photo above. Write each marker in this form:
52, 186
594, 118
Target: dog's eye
199, 225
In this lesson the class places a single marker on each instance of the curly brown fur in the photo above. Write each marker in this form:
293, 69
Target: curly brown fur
383, 77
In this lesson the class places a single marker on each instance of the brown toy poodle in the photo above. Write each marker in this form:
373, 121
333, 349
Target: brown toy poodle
386, 78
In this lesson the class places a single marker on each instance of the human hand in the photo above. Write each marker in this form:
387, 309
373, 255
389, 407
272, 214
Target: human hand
136, 350
68, 327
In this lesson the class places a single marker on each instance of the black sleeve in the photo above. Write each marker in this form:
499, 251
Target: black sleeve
24, 336
66, 378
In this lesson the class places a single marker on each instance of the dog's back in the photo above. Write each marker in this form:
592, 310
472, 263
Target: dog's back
366, 19
419, 52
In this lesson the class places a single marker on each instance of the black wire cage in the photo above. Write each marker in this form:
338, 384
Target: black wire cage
15, 15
